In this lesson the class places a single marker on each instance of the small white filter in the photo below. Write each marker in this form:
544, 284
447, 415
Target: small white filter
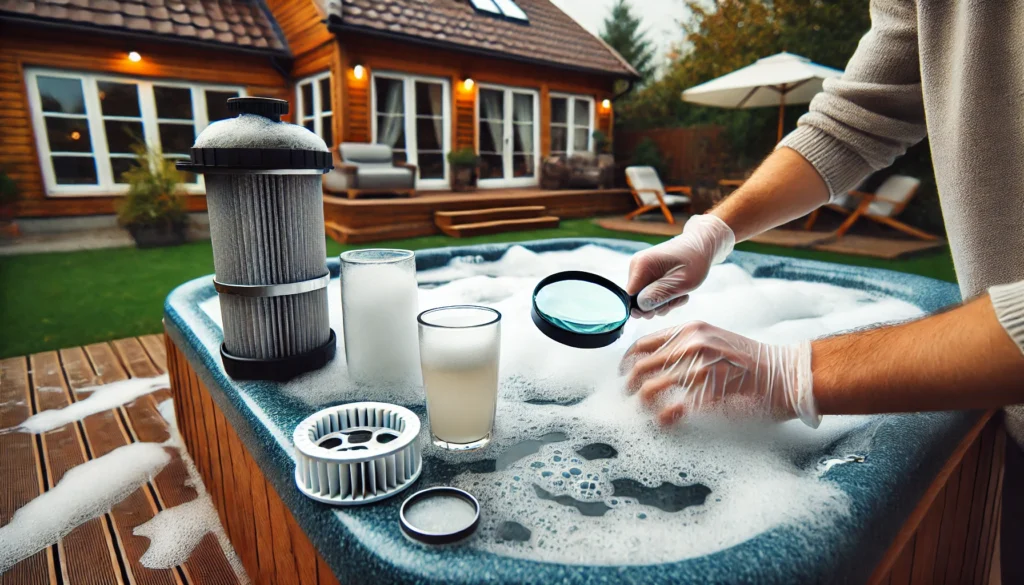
357, 453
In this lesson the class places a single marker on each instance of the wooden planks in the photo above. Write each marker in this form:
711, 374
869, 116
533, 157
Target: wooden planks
951, 536
367, 220
18, 452
101, 550
272, 546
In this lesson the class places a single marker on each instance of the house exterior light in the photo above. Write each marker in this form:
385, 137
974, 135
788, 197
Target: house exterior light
134, 57
606, 104
358, 71
467, 84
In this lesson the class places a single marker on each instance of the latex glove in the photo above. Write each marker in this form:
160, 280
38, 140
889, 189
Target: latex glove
665, 273
697, 366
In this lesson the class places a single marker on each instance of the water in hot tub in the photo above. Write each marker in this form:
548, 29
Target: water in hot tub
578, 472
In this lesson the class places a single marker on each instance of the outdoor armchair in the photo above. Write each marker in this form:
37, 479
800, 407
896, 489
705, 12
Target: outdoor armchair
363, 169
650, 194
882, 206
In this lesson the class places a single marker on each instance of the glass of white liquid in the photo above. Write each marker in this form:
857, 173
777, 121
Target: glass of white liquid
459, 351
379, 303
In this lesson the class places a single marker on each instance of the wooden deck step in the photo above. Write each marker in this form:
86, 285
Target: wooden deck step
501, 225
445, 219
396, 231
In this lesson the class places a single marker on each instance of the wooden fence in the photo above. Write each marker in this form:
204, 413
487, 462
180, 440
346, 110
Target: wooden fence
691, 155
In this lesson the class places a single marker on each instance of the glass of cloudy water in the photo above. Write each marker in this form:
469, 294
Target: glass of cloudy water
379, 302
459, 350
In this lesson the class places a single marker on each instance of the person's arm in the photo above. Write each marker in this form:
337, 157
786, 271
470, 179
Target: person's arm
969, 357
859, 123
955, 360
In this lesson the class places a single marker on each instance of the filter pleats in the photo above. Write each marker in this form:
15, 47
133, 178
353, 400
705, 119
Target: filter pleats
267, 229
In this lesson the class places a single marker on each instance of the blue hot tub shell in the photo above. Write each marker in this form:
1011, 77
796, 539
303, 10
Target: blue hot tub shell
907, 453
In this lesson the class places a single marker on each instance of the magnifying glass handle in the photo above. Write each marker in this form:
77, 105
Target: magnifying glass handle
633, 303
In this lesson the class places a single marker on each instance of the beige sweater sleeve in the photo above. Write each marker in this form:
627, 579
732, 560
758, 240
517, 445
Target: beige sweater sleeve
865, 119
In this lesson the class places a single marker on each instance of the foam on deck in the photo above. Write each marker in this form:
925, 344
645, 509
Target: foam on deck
100, 398
85, 492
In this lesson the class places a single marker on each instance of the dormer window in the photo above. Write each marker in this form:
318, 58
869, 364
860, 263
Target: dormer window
502, 8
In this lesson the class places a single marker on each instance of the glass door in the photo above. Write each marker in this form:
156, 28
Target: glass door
412, 116
508, 134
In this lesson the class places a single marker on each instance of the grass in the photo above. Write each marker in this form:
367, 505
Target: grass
53, 301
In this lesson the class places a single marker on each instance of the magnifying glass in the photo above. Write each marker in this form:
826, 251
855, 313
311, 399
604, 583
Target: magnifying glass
581, 309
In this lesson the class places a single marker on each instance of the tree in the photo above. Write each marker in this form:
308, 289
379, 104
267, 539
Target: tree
621, 30
728, 34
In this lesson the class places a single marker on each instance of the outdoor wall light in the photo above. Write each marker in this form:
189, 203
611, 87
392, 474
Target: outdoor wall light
358, 71
134, 57
606, 104
467, 84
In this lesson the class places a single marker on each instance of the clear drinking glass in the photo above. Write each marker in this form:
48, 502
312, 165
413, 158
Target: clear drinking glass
459, 350
379, 303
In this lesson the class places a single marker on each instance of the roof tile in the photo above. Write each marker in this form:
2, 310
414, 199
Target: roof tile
207, 20
551, 35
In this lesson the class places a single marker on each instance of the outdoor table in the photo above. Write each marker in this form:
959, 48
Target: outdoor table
925, 503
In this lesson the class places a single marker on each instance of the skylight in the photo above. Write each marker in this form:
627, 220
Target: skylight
507, 8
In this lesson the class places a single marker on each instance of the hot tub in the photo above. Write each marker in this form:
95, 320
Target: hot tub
877, 499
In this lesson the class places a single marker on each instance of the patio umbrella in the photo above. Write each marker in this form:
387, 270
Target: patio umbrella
779, 80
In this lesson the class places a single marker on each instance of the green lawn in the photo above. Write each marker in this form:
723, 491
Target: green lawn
52, 301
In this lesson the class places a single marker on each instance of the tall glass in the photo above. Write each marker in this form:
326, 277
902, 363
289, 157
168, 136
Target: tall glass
459, 351
379, 303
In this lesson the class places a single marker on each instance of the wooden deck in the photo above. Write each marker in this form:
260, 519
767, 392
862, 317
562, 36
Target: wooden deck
369, 220
101, 550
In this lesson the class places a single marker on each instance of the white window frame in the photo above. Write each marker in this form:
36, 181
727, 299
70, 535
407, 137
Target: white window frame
508, 180
409, 95
317, 113
97, 132
570, 123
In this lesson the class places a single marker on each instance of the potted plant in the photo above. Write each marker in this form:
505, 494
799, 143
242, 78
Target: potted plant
8, 204
153, 210
463, 163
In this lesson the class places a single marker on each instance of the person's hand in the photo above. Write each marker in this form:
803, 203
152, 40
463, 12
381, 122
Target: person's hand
664, 274
696, 367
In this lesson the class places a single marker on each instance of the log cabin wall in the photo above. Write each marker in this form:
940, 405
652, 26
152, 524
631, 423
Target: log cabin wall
22, 47
376, 54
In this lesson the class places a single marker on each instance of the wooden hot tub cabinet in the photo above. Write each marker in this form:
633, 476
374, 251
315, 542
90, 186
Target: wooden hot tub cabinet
949, 538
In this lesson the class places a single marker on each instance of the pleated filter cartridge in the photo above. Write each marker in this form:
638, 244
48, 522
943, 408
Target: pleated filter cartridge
357, 453
264, 197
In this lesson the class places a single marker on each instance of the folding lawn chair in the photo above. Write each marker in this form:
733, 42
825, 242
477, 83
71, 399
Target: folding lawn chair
882, 206
650, 194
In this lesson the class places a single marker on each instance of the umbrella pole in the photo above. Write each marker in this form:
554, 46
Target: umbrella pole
782, 111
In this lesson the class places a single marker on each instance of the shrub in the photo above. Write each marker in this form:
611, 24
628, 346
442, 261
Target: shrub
601, 143
463, 157
8, 190
647, 154
154, 186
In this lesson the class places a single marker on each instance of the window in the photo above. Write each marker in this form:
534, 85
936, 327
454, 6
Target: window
86, 125
412, 116
507, 8
572, 121
314, 109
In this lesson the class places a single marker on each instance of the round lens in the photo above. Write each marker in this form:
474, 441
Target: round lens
579, 306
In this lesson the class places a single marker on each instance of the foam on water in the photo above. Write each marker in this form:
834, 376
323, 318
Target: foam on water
85, 492
759, 476
101, 398
440, 514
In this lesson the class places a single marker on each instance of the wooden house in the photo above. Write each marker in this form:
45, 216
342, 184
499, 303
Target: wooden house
80, 80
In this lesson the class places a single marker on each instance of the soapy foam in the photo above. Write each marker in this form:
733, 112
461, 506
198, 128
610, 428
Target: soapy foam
175, 532
440, 514
102, 398
381, 339
253, 131
760, 476
85, 492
